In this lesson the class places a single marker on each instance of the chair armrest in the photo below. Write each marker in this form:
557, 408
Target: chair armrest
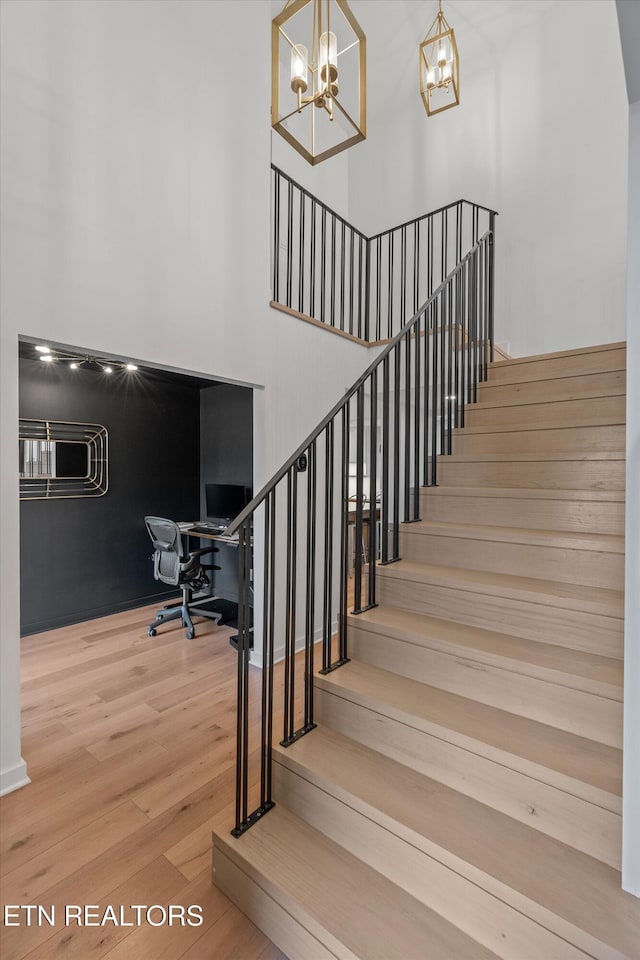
202, 551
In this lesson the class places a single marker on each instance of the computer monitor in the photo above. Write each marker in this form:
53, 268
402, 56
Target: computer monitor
224, 501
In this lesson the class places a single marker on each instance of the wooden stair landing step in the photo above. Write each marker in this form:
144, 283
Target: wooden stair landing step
544, 878
350, 910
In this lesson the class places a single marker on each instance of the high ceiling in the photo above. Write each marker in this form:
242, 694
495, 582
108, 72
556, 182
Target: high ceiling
629, 20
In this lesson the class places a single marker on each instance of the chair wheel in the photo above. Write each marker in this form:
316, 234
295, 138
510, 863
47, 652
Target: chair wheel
152, 632
190, 634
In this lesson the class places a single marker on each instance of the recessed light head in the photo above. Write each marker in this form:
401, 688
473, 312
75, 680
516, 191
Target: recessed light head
131, 366
108, 369
47, 357
42, 349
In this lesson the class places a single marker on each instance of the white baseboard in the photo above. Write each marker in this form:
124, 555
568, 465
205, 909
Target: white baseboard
13, 778
278, 653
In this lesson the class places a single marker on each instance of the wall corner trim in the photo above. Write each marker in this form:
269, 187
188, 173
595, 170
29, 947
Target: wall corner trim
12, 778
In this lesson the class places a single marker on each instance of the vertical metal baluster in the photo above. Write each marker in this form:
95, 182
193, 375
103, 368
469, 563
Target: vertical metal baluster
357, 571
328, 549
242, 714
407, 425
434, 388
312, 262
360, 250
351, 277
378, 287
396, 454
416, 266
430, 256
450, 385
463, 341
289, 237
344, 534
443, 415
301, 255
290, 625
343, 240
426, 395
385, 463
390, 302
266, 707
403, 276
323, 264
311, 588
270, 651
475, 325
416, 423
492, 248
276, 237
332, 283
373, 486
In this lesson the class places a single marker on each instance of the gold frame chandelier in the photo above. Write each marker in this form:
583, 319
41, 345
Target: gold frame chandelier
306, 120
439, 66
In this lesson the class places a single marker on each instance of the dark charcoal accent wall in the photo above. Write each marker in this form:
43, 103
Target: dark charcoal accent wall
226, 456
82, 558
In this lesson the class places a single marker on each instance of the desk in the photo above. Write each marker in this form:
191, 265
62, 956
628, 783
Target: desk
366, 521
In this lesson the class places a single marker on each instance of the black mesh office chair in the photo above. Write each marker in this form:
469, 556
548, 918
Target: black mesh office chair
173, 566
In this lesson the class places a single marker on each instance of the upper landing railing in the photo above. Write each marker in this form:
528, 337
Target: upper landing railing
368, 287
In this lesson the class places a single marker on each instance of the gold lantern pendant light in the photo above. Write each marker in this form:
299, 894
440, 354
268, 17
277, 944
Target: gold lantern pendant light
439, 66
311, 107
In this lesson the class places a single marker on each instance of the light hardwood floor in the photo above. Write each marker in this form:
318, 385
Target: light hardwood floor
130, 746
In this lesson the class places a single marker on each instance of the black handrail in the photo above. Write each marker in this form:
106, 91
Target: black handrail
427, 374
367, 286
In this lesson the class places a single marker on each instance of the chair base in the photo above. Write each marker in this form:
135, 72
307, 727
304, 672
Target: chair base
183, 611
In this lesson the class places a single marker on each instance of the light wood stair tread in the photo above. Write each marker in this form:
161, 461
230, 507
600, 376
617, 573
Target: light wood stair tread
488, 384
577, 351
566, 540
552, 424
598, 600
467, 641
576, 396
571, 884
314, 878
524, 493
573, 756
537, 457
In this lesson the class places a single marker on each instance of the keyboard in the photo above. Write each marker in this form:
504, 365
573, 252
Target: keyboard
210, 528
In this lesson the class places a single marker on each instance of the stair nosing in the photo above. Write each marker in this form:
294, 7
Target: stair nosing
587, 542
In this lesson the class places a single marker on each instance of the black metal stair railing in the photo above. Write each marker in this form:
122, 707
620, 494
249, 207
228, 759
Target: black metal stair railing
325, 268
360, 469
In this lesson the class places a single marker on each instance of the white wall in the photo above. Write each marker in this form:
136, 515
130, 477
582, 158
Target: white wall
135, 221
534, 137
631, 790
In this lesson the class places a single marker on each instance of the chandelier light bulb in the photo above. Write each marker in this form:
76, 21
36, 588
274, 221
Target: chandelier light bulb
431, 79
442, 56
328, 54
299, 61
446, 72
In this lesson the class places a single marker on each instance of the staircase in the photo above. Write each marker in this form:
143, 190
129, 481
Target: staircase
461, 796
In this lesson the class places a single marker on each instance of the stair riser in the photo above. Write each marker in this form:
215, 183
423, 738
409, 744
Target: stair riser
583, 714
561, 388
266, 913
403, 856
534, 474
586, 567
546, 808
533, 621
567, 440
560, 413
579, 516
576, 365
